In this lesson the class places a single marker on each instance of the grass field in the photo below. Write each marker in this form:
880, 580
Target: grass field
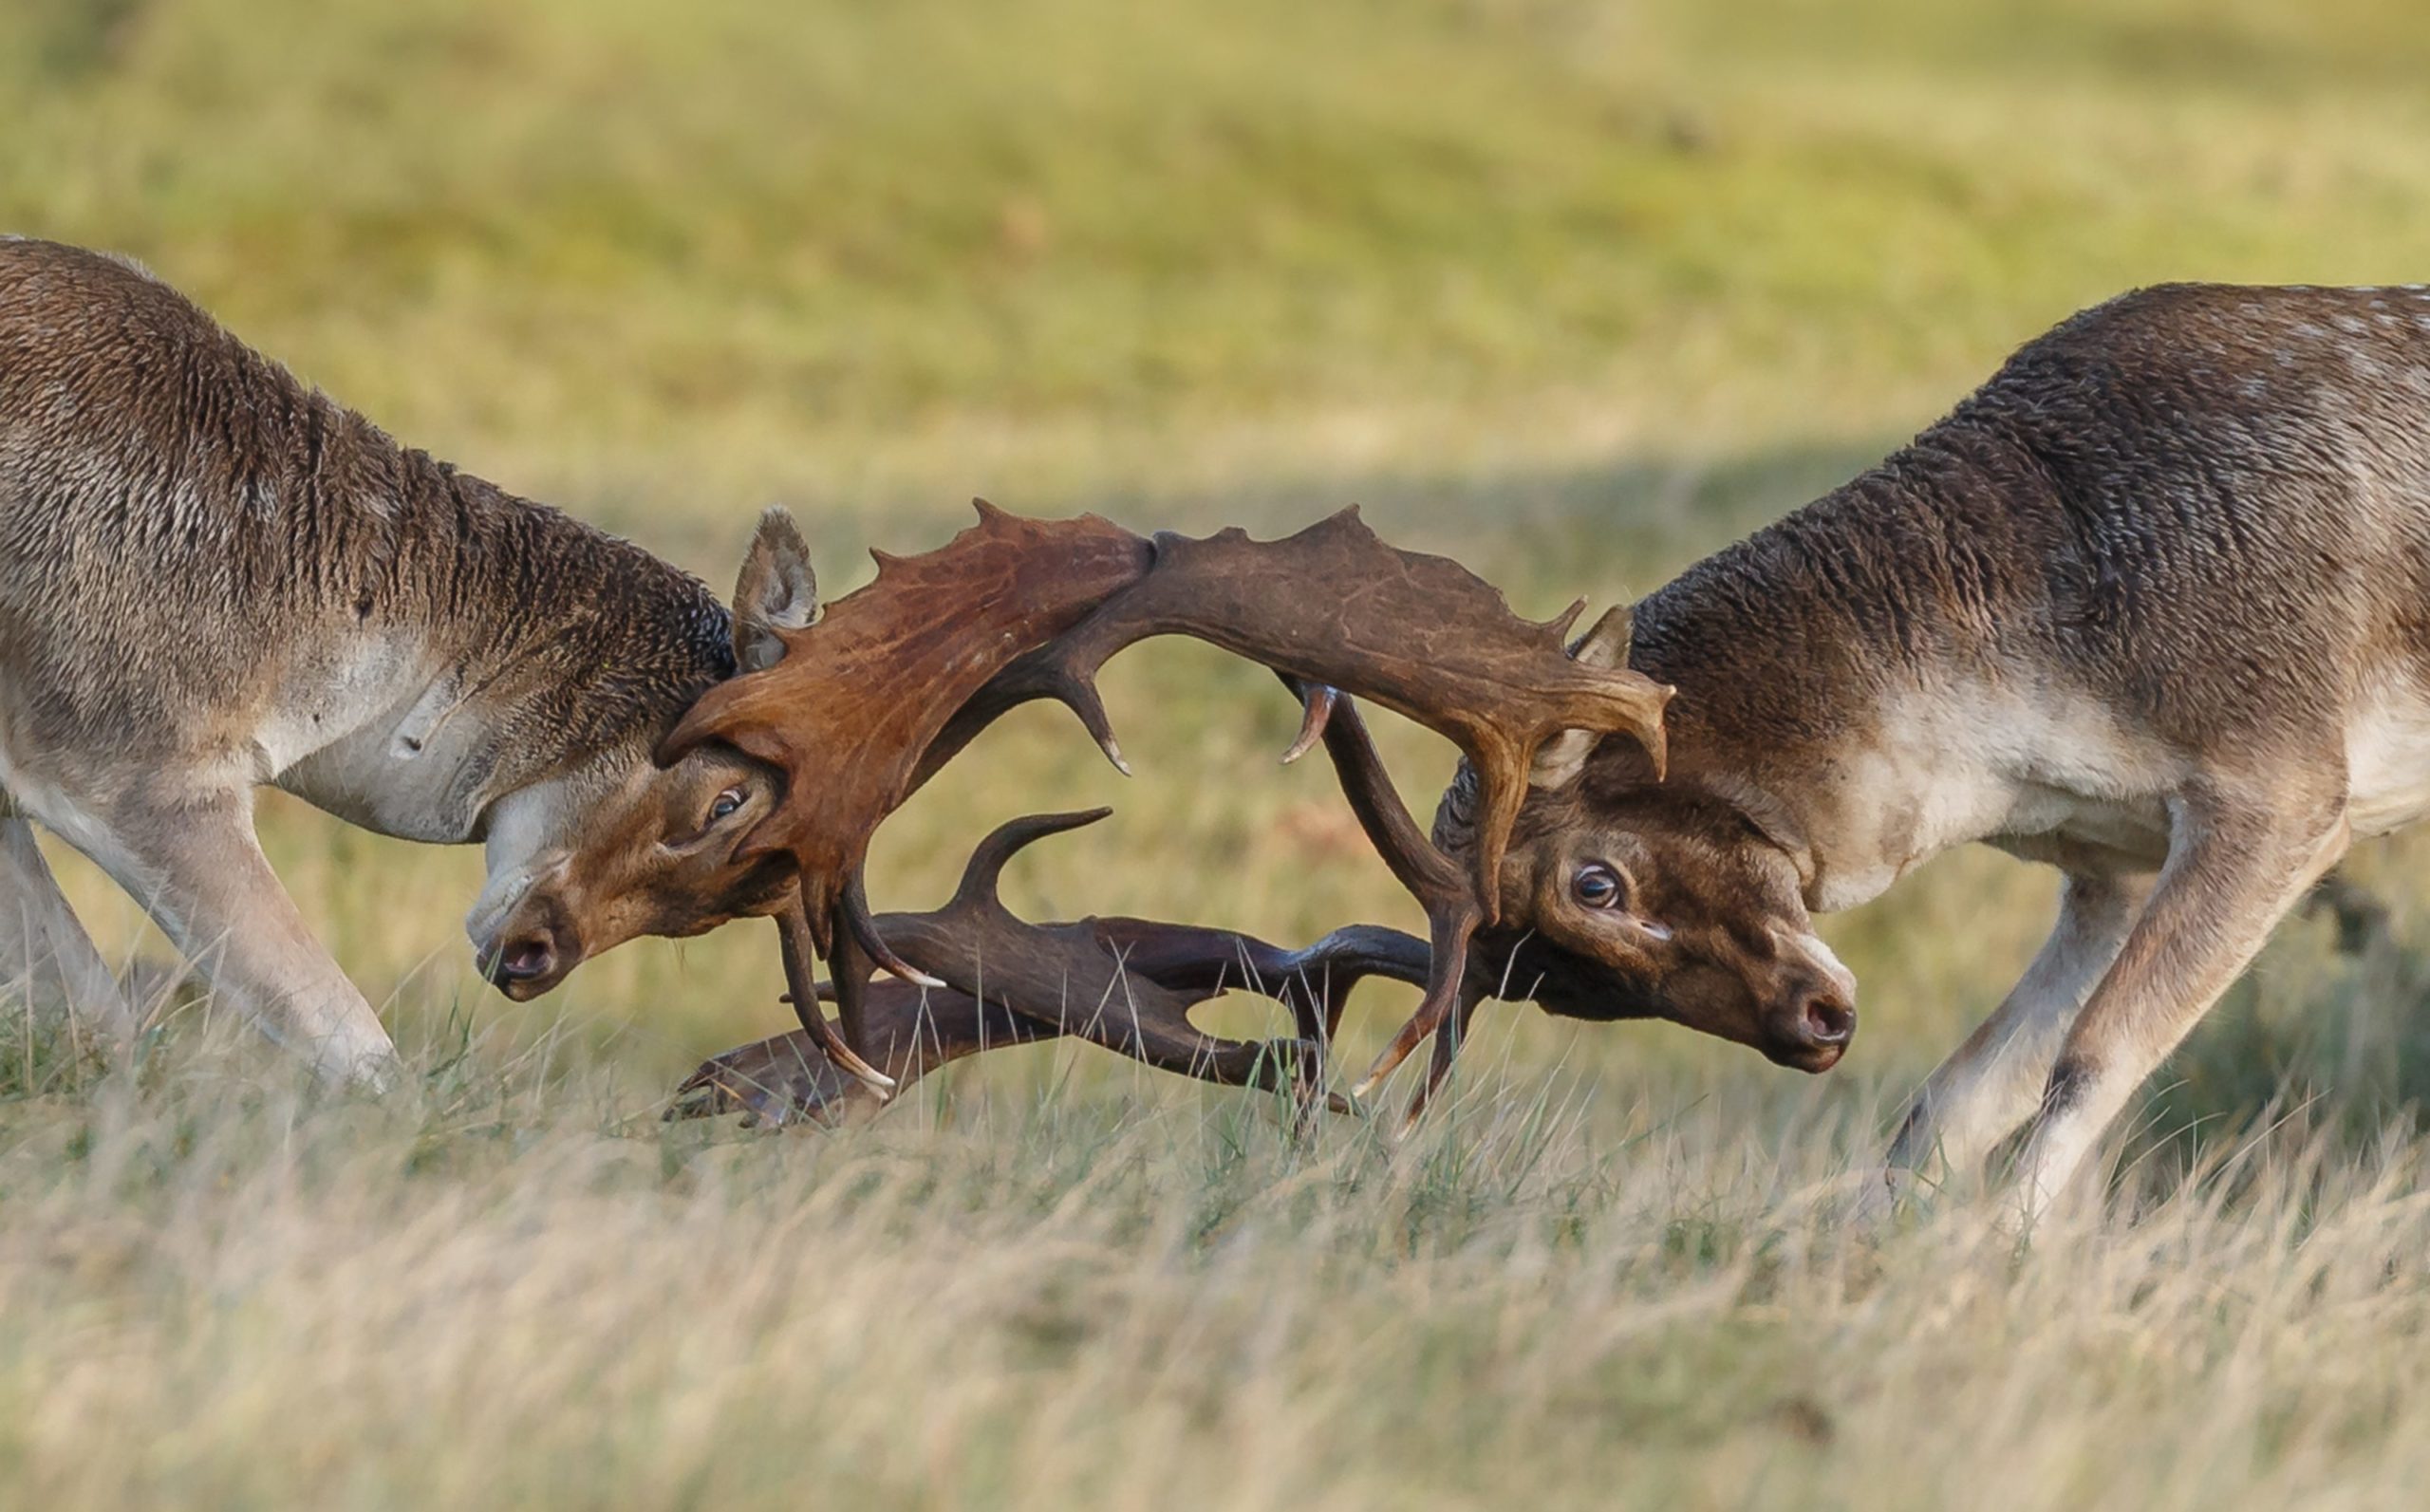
1575, 291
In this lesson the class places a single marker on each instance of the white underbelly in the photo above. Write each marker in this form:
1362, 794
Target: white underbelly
1982, 761
2387, 760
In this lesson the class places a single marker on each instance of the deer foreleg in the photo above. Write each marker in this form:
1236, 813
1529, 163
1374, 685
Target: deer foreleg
43, 944
198, 869
1992, 1082
2233, 872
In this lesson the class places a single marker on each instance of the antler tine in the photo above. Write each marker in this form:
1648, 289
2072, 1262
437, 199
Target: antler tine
1316, 710
984, 870
793, 936
1038, 674
853, 918
1448, 934
1448, 1037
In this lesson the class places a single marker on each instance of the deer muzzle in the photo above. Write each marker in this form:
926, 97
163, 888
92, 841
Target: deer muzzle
530, 951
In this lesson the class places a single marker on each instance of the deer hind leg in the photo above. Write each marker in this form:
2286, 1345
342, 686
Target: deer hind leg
1994, 1082
198, 870
43, 946
2233, 871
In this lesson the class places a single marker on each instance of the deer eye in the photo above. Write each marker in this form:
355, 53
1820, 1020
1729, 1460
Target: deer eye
1596, 886
727, 802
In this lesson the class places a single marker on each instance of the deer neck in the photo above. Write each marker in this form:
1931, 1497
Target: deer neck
1859, 677
496, 644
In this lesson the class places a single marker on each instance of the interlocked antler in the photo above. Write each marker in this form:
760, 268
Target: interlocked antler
1079, 976
1334, 608
875, 697
1125, 983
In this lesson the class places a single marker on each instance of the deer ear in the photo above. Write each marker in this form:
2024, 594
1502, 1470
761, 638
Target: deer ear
1606, 647
776, 591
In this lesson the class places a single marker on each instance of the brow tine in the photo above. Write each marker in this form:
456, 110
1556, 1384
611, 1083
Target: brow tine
1452, 1034
1316, 710
1450, 932
853, 914
793, 936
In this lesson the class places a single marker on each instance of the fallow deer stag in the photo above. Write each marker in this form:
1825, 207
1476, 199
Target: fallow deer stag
2152, 606
867, 703
213, 578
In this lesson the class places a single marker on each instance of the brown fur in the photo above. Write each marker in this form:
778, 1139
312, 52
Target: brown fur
2153, 604
215, 577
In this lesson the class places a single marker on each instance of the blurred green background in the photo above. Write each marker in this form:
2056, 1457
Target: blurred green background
1575, 291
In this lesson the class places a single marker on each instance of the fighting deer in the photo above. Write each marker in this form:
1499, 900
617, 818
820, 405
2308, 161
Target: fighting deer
2149, 606
213, 578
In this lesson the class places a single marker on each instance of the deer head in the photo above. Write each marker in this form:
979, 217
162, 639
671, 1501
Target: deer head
1651, 899
622, 847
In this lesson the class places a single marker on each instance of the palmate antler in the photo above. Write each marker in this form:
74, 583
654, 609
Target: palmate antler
1333, 608
1125, 983
859, 697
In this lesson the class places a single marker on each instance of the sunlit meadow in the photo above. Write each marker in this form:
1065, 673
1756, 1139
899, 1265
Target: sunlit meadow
1575, 291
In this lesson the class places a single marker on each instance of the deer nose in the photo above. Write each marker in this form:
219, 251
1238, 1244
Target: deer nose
1818, 1023
1825, 1022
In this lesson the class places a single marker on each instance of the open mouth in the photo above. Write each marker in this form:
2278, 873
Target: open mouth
525, 968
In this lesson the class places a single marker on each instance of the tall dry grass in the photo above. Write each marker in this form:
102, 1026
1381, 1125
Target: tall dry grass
510, 1289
